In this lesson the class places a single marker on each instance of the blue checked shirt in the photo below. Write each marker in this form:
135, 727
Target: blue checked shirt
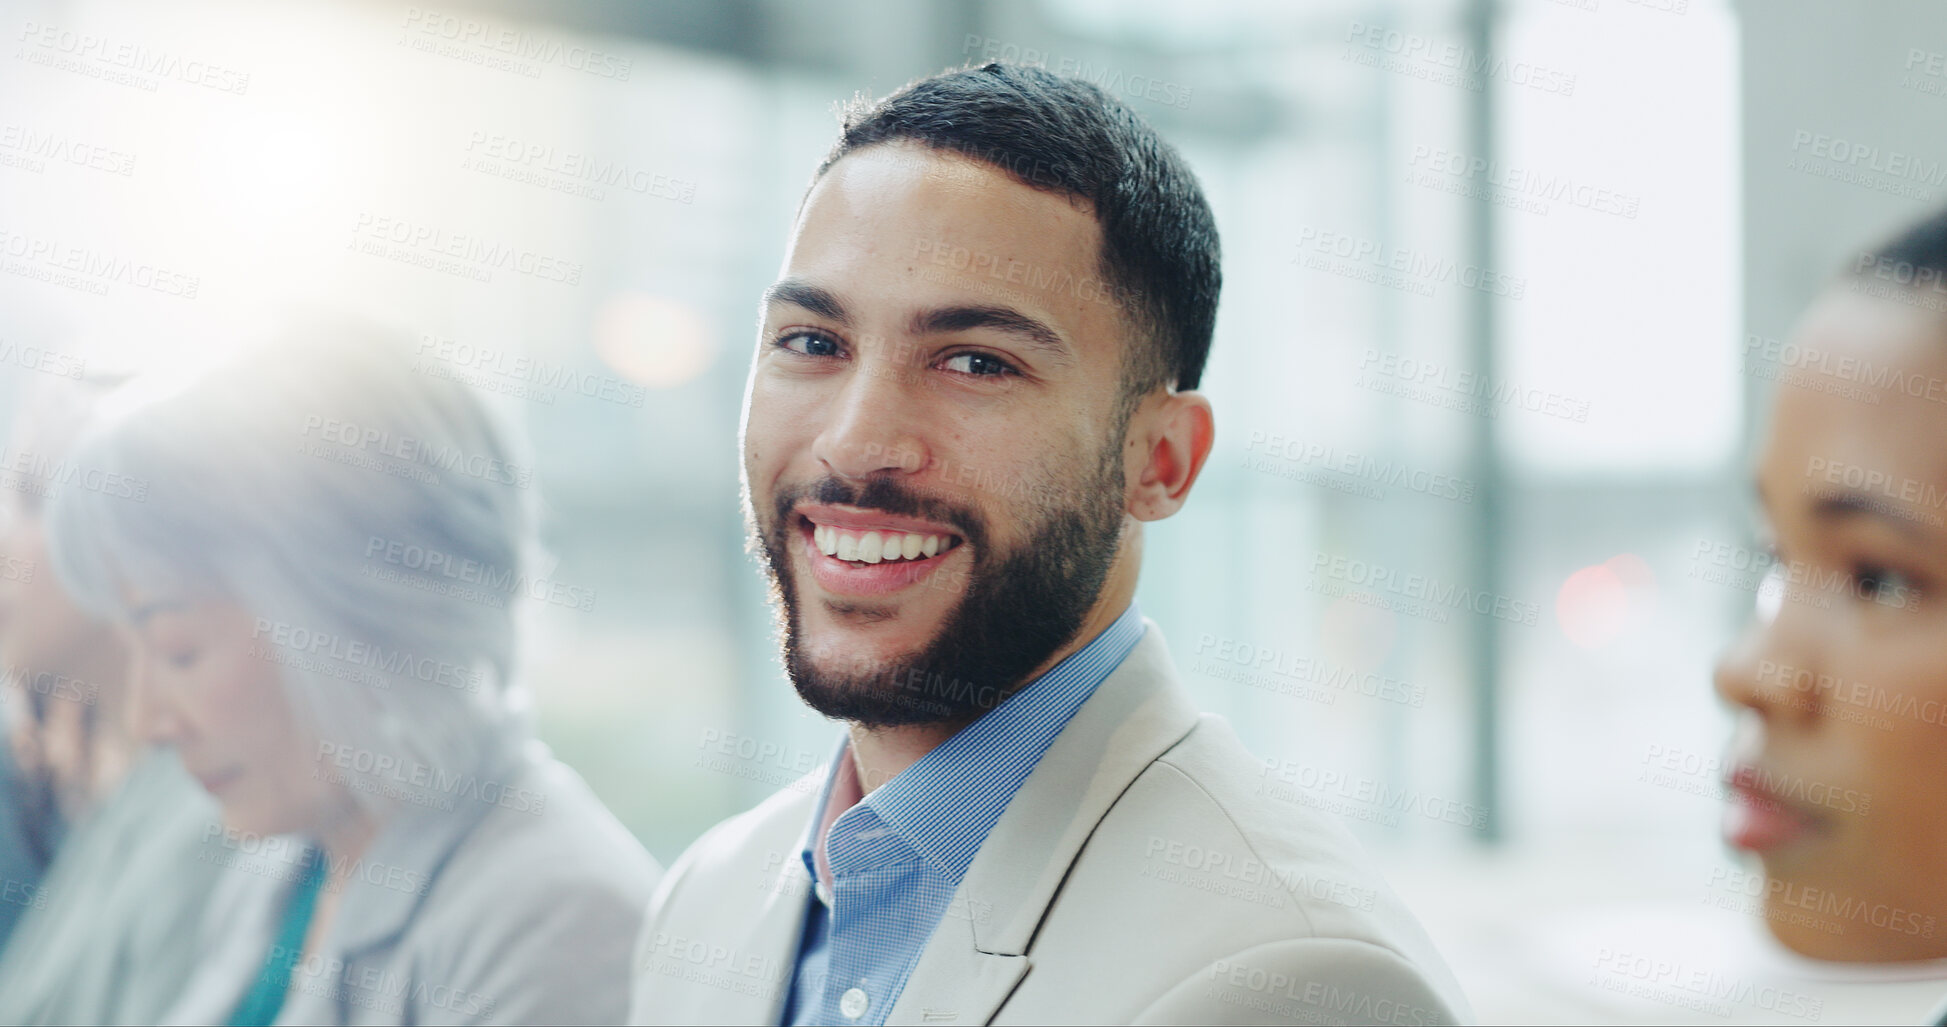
897, 857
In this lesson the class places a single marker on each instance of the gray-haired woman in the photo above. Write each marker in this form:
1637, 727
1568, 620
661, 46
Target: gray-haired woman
321, 568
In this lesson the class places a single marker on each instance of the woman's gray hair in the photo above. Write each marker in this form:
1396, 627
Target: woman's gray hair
374, 519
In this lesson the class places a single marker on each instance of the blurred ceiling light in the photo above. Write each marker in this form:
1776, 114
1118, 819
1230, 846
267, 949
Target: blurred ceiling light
652, 341
262, 173
1599, 602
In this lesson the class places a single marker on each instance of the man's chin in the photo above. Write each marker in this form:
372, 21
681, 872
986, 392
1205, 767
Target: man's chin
885, 626
869, 643
888, 691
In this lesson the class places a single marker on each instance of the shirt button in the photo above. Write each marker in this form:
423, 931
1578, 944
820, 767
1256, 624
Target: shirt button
824, 893
853, 1003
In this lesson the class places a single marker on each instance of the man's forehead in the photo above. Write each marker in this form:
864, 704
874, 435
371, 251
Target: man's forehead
901, 194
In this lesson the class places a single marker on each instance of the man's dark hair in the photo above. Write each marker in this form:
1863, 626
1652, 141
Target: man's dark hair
1065, 136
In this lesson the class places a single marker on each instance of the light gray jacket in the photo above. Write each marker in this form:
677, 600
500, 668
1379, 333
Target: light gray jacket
109, 938
516, 905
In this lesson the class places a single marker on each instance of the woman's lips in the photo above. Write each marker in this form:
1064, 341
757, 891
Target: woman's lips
216, 783
850, 578
1758, 821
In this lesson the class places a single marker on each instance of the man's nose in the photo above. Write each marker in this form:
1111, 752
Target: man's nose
878, 423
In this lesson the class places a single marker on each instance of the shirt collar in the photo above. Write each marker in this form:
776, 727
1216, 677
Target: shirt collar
945, 804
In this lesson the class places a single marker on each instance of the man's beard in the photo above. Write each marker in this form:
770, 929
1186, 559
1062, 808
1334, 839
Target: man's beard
1019, 606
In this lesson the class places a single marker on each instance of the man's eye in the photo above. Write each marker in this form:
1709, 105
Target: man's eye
980, 365
810, 344
181, 659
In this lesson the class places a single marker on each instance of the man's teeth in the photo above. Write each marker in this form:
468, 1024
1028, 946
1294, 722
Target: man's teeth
875, 546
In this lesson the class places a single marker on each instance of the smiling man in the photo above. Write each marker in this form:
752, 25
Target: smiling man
973, 384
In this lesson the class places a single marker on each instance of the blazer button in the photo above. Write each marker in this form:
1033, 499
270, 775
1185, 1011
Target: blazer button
853, 1003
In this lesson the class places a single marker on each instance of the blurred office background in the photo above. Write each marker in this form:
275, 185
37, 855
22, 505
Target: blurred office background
1491, 272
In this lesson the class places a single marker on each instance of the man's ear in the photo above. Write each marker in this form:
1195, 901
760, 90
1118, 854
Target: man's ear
1169, 438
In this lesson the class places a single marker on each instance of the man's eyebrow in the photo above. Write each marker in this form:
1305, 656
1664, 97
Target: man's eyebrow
818, 300
1033, 331
1845, 505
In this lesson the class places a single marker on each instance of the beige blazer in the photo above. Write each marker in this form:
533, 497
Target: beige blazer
1141, 875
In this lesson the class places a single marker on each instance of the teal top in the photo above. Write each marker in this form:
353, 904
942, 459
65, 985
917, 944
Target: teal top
261, 1004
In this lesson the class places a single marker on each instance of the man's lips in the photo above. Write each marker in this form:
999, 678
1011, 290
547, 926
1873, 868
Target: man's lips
1758, 820
849, 531
852, 518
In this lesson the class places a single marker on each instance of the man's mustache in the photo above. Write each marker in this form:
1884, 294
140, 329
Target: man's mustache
886, 495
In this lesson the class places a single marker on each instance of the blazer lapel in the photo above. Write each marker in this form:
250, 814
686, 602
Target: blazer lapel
775, 933
977, 955
954, 981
